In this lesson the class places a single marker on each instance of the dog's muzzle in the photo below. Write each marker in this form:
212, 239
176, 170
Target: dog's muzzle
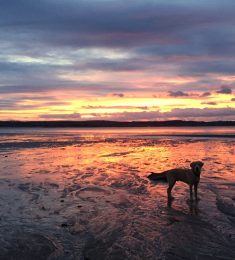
197, 170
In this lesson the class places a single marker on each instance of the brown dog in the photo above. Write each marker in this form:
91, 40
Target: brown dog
189, 176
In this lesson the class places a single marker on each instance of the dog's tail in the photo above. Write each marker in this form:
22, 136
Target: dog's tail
158, 176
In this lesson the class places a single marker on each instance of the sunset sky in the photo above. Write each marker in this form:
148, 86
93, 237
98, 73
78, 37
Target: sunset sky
117, 60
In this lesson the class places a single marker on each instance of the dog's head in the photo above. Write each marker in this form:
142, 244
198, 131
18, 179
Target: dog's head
196, 167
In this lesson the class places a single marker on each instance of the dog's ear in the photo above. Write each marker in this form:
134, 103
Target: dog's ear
192, 164
200, 163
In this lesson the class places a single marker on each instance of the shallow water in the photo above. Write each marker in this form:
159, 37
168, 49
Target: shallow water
73, 195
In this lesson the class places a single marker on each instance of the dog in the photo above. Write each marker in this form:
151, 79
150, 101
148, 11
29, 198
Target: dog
189, 176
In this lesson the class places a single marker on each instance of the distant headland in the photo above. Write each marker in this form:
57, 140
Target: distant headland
104, 123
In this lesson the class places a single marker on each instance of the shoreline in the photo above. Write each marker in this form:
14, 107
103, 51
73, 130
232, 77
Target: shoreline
117, 124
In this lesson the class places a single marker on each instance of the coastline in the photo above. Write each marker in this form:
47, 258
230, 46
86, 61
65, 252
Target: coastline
119, 124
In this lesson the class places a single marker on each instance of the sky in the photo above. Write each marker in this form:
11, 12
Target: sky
117, 60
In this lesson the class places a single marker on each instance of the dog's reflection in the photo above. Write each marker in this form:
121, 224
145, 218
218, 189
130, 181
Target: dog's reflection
193, 206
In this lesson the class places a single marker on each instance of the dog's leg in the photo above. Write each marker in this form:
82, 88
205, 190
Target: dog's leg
191, 192
171, 185
195, 190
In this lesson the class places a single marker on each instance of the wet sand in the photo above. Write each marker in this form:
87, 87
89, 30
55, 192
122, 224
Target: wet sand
75, 197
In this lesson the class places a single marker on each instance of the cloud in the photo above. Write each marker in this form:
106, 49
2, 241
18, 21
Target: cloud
8, 104
118, 95
224, 90
19, 103
205, 94
177, 94
195, 113
94, 22
66, 86
206, 114
112, 65
209, 103
116, 107
209, 66
118, 24
54, 103
96, 48
74, 116
128, 116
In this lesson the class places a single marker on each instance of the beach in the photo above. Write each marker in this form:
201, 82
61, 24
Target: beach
70, 194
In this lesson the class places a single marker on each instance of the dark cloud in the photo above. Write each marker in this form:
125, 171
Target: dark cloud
209, 103
205, 94
117, 24
74, 116
112, 65
177, 94
18, 103
194, 113
96, 89
92, 22
225, 90
30, 69
221, 66
118, 95
128, 116
37, 98
206, 114
8, 104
